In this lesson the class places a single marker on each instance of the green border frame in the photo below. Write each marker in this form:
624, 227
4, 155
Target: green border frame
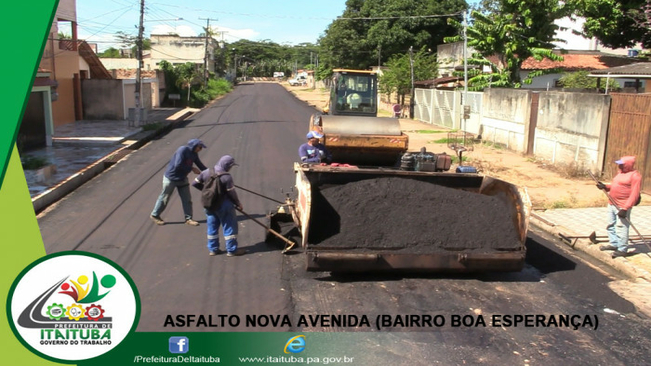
10, 318
24, 90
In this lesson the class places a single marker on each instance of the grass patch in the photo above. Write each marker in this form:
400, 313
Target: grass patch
384, 113
430, 131
33, 162
455, 159
444, 140
559, 204
447, 140
152, 126
495, 145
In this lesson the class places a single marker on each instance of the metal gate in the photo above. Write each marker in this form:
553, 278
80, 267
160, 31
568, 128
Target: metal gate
422, 106
629, 133
445, 109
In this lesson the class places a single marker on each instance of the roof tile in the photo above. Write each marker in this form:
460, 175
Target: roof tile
576, 62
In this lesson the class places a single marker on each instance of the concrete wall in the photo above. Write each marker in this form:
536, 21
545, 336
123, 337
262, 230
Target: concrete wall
129, 88
505, 117
119, 63
571, 128
103, 99
111, 99
66, 10
67, 64
450, 55
64, 64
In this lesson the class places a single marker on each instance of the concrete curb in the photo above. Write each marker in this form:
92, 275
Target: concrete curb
622, 265
54, 194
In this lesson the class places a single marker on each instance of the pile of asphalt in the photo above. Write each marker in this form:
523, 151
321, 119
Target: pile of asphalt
395, 213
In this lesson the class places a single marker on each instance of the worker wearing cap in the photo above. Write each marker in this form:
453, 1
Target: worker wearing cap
222, 211
176, 176
313, 151
624, 191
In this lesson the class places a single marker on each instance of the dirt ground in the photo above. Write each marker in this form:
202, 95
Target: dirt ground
548, 186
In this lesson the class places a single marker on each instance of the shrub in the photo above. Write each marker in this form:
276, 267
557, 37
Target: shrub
152, 126
34, 162
212, 90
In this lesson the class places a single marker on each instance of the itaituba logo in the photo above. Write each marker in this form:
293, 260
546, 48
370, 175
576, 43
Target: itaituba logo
72, 306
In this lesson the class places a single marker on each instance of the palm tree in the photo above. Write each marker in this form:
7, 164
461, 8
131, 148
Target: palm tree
187, 75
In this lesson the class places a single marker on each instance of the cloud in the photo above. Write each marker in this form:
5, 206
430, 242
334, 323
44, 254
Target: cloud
103, 40
229, 34
182, 30
233, 35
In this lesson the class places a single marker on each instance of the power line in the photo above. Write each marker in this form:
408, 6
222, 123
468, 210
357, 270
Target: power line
401, 17
111, 23
265, 16
110, 12
54, 54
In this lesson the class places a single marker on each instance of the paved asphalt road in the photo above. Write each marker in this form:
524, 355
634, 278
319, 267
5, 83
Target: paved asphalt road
262, 126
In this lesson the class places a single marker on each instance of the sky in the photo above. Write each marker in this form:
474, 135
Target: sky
283, 22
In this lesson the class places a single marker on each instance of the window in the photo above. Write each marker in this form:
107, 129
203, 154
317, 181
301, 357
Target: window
356, 93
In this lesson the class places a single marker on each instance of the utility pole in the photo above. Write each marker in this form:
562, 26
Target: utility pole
141, 29
411, 67
206, 53
466, 107
379, 56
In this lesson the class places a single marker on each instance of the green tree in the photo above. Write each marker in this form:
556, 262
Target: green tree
397, 77
519, 30
369, 30
129, 41
180, 77
581, 80
187, 75
616, 23
110, 52
265, 57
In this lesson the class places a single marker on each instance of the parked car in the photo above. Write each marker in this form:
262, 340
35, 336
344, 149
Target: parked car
298, 81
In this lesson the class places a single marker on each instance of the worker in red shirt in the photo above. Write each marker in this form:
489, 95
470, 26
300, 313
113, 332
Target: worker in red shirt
624, 192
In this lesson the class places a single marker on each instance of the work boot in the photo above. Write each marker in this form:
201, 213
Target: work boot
619, 253
237, 253
191, 222
607, 247
214, 252
157, 220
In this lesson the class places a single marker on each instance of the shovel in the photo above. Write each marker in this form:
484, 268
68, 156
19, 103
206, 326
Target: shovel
593, 237
288, 243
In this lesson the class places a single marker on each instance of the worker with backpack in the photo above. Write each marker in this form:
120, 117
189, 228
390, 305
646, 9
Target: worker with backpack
219, 199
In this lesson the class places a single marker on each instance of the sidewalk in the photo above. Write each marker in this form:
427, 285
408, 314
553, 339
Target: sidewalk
83, 149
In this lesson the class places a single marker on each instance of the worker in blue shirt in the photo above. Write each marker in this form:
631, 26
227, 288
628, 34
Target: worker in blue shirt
176, 176
313, 151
